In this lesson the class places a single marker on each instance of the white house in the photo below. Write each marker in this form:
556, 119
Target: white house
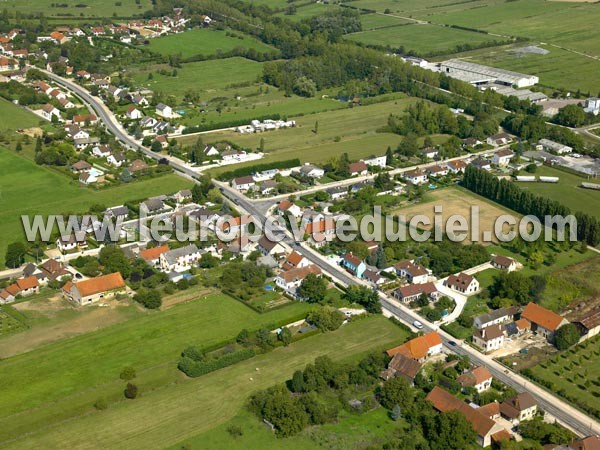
209, 150
180, 259
489, 338
164, 110
116, 159
101, 151
285, 207
479, 378
133, 113
243, 183
495, 317
437, 171
94, 290
416, 176
377, 161
502, 157
48, 111
414, 273
456, 166
499, 139
519, 408
312, 171
291, 279
69, 243
463, 283
504, 263
592, 105
357, 169
548, 145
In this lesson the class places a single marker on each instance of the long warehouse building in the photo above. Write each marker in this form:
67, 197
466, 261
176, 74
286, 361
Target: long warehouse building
478, 74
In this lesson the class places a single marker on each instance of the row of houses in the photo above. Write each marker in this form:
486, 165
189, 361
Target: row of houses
32, 279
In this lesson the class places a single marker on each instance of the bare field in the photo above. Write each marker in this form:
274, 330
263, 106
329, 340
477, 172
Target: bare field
457, 201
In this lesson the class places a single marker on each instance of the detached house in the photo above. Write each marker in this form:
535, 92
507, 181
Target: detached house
412, 292
133, 113
479, 378
152, 206
357, 169
519, 408
268, 247
402, 366
152, 255
489, 338
414, 273
243, 183
48, 111
437, 171
180, 259
457, 166
502, 157
95, 289
416, 176
543, 321
164, 111
495, 317
69, 243
504, 263
116, 159
353, 264
291, 279
463, 283
499, 139
419, 348
286, 207
312, 171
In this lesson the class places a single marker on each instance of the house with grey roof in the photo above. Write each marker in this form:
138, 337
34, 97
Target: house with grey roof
180, 259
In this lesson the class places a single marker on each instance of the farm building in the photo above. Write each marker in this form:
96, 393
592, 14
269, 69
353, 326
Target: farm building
479, 74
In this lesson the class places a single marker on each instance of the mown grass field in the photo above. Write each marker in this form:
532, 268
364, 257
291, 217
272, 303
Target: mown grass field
373, 21
13, 117
208, 78
566, 191
557, 69
73, 8
62, 380
421, 39
205, 42
187, 407
29, 189
351, 130
309, 10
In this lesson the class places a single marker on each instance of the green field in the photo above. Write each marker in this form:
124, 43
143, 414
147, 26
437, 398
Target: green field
63, 379
205, 42
557, 69
574, 374
13, 117
422, 39
309, 10
373, 21
566, 191
209, 78
29, 189
84, 8
355, 128
180, 409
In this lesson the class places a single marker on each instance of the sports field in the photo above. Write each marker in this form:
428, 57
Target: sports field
421, 38
459, 201
29, 189
84, 8
566, 191
205, 42
183, 407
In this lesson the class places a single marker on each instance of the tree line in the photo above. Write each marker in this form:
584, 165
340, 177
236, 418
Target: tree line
512, 196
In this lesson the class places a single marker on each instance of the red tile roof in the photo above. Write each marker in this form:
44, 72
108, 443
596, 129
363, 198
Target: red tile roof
151, 254
418, 347
541, 316
100, 284
28, 283
300, 273
461, 281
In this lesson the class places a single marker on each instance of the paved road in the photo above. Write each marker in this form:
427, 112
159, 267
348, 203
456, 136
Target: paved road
563, 412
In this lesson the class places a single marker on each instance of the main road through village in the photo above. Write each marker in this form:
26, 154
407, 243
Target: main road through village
576, 420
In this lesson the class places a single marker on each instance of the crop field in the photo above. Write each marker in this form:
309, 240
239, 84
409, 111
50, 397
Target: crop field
49, 192
64, 379
73, 8
422, 39
557, 69
459, 201
205, 42
211, 78
187, 406
574, 375
566, 191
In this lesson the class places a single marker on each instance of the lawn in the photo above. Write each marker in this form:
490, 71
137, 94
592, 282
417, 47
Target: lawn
575, 375
206, 77
421, 39
13, 117
187, 407
29, 189
84, 8
455, 200
566, 191
557, 69
61, 380
350, 130
206, 42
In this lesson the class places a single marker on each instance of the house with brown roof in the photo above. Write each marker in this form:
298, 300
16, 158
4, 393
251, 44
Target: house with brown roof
457, 166
357, 169
268, 247
488, 431
479, 378
490, 338
419, 348
53, 270
22, 287
412, 272
49, 111
587, 443
543, 321
589, 324
412, 292
417, 176
290, 280
491, 410
504, 263
502, 157
72, 242
152, 255
138, 165
285, 207
353, 264
243, 183
402, 366
94, 290
501, 315
320, 231
295, 260
518, 408
83, 119
463, 283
